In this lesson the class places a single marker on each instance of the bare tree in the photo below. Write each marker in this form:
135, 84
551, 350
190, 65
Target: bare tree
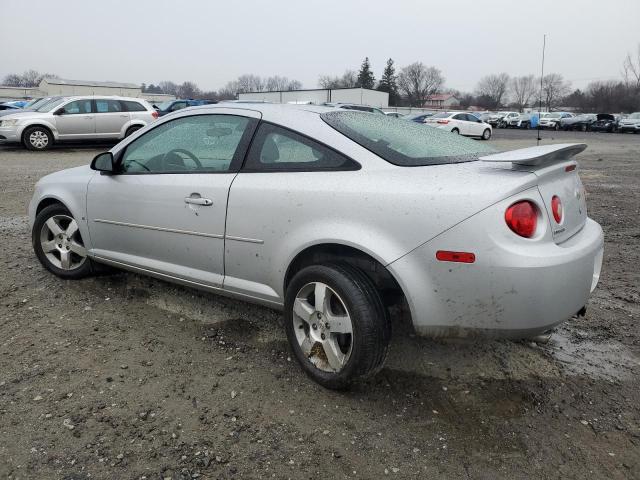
554, 88
631, 69
30, 78
277, 83
188, 90
417, 82
349, 79
493, 88
250, 83
523, 89
168, 87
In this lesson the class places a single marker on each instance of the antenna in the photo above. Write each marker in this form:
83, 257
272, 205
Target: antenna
544, 44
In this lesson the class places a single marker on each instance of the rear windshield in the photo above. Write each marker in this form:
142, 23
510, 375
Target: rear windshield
407, 144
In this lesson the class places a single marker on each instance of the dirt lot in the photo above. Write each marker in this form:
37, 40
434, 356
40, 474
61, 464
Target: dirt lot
125, 377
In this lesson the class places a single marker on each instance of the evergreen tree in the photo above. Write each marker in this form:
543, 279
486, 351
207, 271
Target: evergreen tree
388, 83
365, 75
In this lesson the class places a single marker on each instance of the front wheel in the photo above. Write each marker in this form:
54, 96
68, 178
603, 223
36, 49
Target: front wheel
37, 138
584, 128
58, 244
336, 324
486, 135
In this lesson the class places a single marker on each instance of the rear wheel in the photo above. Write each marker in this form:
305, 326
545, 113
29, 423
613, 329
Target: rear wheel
584, 127
336, 324
37, 138
58, 244
456, 131
486, 135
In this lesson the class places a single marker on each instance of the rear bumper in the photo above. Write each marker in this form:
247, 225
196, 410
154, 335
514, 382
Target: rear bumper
509, 291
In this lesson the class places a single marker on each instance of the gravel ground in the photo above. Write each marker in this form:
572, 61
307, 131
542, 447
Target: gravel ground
125, 377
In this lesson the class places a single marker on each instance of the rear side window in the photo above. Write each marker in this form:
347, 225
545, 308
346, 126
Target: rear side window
108, 106
407, 144
131, 106
276, 148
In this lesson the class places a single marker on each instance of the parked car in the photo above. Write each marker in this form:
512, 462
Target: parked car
8, 106
580, 122
484, 116
605, 122
462, 123
552, 120
419, 118
174, 105
522, 120
394, 114
31, 106
333, 216
630, 124
76, 118
355, 106
501, 119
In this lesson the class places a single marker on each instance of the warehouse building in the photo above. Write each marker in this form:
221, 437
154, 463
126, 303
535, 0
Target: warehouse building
361, 96
58, 86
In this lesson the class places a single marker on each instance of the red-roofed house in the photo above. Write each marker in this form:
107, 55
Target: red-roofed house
441, 100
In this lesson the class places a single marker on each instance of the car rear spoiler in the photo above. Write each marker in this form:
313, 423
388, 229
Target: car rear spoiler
543, 154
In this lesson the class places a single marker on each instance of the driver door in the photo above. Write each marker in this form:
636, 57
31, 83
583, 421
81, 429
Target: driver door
165, 211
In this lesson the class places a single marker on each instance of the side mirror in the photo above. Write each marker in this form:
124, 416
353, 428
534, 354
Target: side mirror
103, 162
60, 111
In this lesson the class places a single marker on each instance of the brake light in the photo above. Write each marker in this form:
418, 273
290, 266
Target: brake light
154, 114
570, 168
461, 257
556, 208
443, 122
522, 218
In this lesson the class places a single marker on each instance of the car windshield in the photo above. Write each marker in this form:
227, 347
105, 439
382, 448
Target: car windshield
406, 144
47, 107
554, 115
441, 115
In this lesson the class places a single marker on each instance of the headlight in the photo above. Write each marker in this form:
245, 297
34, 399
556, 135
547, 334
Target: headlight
8, 123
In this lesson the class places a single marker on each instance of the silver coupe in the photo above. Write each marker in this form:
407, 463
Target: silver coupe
333, 216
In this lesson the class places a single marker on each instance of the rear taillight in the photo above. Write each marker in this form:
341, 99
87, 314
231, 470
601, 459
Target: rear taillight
522, 218
443, 122
154, 114
556, 208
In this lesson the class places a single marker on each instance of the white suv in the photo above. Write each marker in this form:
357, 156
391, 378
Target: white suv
76, 118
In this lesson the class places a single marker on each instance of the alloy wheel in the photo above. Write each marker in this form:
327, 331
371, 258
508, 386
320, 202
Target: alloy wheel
61, 242
38, 139
323, 327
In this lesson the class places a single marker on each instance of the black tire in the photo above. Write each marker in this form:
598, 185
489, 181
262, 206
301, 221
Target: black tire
83, 270
557, 127
584, 127
37, 138
486, 135
456, 131
131, 130
371, 326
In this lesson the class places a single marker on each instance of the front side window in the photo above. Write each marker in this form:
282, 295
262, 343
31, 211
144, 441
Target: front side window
406, 144
276, 149
460, 116
198, 144
78, 107
178, 106
108, 106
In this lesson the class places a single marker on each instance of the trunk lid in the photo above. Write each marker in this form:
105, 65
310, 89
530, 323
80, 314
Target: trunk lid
557, 176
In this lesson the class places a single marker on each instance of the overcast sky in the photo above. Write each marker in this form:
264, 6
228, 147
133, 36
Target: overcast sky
211, 42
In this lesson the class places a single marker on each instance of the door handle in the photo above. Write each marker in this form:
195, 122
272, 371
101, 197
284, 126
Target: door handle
198, 200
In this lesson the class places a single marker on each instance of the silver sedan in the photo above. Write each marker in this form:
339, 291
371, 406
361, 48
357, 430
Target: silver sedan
333, 216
